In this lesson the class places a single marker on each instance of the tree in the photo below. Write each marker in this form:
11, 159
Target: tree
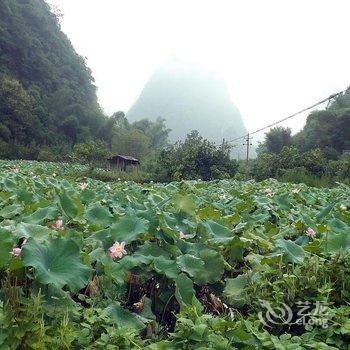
157, 132
121, 122
264, 166
91, 153
70, 127
329, 128
131, 143
276, 139
108, 130
18, 120
47, 91
196, 158
289, 158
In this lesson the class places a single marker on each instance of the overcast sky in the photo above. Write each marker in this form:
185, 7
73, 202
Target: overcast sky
276, 56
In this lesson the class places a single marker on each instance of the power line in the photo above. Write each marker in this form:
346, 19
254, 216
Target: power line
286, 118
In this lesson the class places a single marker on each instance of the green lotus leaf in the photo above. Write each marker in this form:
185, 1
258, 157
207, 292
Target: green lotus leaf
58, 263
337, 225
130, 261
99, 215
283, 202
10, 211
38, 232
184, 291
184, 204
213, 267
24, 196
147, 312
335, 242
234, 290
71, 207
192, 265
151, 249
10, 185
220, 233
166, 266
6, 244
128, 228
125, 319
324, 212
41, 215
291, 251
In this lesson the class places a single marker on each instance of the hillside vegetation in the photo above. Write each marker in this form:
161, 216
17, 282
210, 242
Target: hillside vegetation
47, 96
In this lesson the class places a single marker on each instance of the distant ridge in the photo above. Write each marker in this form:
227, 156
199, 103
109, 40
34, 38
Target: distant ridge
189, 98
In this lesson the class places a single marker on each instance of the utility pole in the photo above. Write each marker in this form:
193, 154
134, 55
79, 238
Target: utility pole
248, 144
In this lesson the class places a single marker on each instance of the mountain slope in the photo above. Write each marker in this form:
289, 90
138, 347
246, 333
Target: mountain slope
38, 60
189, 99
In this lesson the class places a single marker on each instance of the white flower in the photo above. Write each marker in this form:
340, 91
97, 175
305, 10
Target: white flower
83, 185
182, 235
223, 196
296, 190
343, 207
268, 192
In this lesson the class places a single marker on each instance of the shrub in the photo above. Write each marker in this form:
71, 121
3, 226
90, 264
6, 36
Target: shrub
92, 153
264, 166
302, 175
196, 158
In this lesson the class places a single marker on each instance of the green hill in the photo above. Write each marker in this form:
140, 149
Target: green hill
47, 95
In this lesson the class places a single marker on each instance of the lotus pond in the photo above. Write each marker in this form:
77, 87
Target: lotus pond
185, 265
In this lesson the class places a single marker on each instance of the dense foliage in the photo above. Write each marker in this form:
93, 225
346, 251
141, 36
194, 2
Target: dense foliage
316, 151
140, 139
47, 96
329, 128
311, 163
195, 158
86, 265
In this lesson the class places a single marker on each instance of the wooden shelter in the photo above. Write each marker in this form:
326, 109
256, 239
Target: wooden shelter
122, 162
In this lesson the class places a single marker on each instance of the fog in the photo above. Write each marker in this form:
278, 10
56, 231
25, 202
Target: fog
276, 56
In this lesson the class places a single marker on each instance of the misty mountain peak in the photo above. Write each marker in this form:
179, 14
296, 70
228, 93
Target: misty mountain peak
189, 98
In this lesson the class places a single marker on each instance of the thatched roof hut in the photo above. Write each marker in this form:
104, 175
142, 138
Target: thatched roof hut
122, 162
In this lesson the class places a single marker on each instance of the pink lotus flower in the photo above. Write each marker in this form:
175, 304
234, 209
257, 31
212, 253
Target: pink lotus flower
117, 250
16, 252
83, 185
58, 225
310, 232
